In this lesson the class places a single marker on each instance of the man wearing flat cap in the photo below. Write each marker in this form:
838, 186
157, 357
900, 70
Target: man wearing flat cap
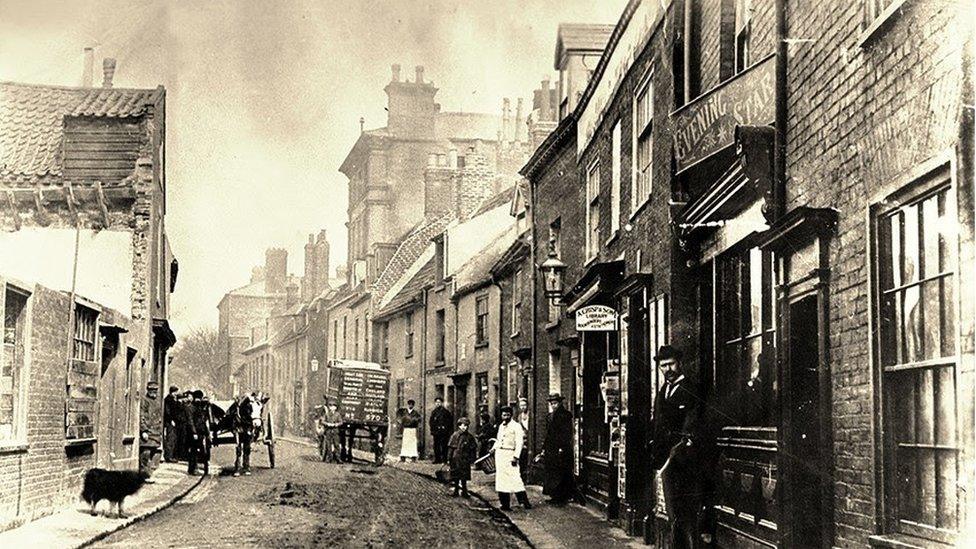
557, 453
674, 447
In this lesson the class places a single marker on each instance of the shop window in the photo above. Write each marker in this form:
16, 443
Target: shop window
640, 189
918, 358
481, 321
593, 211
408, 343
12, 363
744, 373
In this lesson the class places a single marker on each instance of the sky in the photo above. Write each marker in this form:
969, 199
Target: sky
264, 98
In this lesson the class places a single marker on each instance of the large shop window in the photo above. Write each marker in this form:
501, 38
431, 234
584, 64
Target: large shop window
744, 368
918, 353
11, 362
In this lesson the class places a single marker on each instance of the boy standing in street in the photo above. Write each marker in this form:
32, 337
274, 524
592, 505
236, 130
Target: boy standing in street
462, 450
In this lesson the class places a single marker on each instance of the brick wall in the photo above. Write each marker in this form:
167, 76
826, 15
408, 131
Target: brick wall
861, 116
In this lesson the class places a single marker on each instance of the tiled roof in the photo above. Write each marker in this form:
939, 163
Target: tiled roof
499, 199
411, 289
411, 247
582, 36
32, 119
516, 252
476, 272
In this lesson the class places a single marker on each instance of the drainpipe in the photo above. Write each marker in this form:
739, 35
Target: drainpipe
501, 334
779, 148
530, 215
423, 365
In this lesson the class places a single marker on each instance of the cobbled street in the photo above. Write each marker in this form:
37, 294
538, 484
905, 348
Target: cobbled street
305, 503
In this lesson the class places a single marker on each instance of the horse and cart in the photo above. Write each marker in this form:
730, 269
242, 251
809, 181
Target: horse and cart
243, 422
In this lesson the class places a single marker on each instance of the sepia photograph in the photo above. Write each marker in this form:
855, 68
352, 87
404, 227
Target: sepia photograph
680, 274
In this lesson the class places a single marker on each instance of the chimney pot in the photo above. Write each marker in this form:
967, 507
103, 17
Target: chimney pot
108, 71
88, 75
396, 72
420, 74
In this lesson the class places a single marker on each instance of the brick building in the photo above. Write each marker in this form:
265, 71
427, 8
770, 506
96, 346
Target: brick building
83, 173
778, 211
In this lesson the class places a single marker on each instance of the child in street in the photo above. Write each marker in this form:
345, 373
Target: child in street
462, 450
331, 422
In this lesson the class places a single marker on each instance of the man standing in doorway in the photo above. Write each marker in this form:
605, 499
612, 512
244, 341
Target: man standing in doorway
675, 450
410, 423
441, 425
172, 414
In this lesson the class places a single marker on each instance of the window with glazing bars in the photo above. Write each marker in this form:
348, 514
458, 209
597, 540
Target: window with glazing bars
481, 320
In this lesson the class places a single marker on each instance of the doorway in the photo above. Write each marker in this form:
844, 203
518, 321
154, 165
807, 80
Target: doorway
804, 450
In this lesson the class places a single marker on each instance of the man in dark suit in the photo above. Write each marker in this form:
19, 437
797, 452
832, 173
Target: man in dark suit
441, 427
674, 450
557, 453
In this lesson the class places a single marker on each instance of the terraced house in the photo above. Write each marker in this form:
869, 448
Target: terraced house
783, 190
86, 274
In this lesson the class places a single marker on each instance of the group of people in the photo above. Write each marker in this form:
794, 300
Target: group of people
188, 429
190, 424
327, 427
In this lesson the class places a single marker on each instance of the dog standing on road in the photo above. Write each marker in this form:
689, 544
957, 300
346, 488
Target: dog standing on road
114, 486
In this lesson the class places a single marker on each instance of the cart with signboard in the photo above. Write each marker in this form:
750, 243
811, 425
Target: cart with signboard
361, 391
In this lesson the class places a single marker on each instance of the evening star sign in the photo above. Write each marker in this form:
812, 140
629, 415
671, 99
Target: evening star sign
596, 318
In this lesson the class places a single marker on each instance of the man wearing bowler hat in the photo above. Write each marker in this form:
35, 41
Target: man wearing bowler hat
557, 453
674, 447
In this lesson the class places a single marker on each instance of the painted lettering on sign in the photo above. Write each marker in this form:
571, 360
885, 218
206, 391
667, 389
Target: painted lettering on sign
707, 125
596, 318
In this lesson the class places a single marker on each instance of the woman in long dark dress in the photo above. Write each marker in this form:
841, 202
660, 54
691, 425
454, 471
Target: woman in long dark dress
462, 450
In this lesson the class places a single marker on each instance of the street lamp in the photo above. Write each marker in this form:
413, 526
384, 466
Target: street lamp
552, 273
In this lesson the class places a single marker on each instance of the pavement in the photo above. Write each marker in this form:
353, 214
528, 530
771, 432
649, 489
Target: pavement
76, 527
545, 525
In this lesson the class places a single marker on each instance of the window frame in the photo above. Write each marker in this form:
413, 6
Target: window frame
408, 334
384, 341
616, 150
481, 328
440, 339
516, 301
592, 211
20, 378
641, 182
924, 184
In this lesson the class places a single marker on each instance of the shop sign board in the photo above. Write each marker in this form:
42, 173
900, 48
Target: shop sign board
596, 318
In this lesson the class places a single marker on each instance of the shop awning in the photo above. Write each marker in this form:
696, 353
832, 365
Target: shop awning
601, 278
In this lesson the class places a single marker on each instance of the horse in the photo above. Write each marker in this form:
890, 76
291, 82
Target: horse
243, 420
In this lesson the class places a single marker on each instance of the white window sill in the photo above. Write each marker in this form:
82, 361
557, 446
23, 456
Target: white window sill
590, 261
640, 207
879, 23
613, 237
13, 447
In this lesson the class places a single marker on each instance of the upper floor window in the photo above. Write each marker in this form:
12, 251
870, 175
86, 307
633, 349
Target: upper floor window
384, 342
917, 342
439, 336
12, 363
516, 301
615, 179
355, 339
592, 211
481, 320
84, 336
640, 188
408, 343
440, 258
743, 46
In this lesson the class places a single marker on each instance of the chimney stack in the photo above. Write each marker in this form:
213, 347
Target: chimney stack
87, 77
108, 71
546, 107
519, 121
506, 119
396, 72
420, 74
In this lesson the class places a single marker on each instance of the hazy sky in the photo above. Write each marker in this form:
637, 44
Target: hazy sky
264, 100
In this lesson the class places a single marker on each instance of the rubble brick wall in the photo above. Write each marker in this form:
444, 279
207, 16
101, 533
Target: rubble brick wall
861, 116
47, 475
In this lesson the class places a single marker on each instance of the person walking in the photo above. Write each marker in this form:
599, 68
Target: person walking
674, 449
507, 447
171, 431
486, 430
441, 423
462, 450
199, 428
557, 453
331, 421
410, 422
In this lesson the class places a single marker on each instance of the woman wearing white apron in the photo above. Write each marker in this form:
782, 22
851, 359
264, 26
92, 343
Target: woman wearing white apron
508, 447
410, 422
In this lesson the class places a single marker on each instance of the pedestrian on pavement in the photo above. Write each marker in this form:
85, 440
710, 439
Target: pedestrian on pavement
462, 450
441, 423
150, 428
171, 431
486, 430
674, 448
199, 453
557, 453
410, 422
331, 421
523, 419
507, 447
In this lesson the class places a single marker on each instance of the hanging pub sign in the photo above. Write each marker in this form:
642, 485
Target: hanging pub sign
596, 318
